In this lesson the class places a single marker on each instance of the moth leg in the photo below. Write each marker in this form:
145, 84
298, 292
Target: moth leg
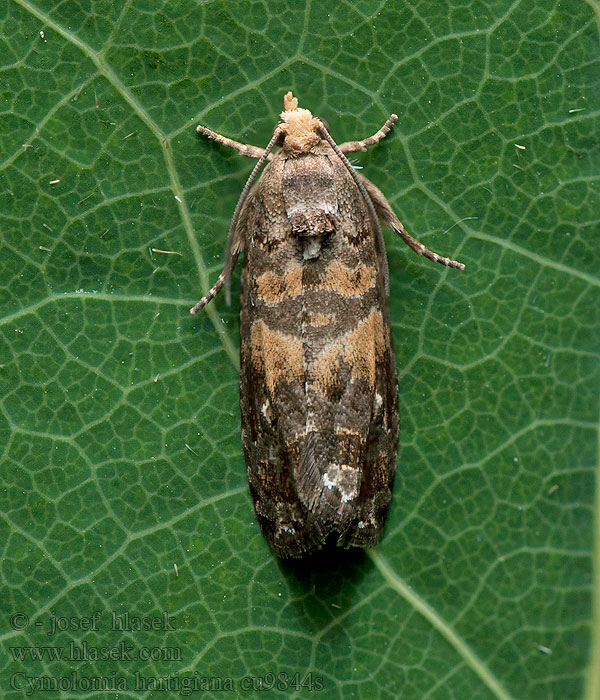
388, 218
244, 149
352, 146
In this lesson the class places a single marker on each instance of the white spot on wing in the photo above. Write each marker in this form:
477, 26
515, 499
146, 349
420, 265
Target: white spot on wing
344, 478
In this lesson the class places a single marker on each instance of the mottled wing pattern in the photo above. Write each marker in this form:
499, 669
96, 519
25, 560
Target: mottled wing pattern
272, 394
318, 375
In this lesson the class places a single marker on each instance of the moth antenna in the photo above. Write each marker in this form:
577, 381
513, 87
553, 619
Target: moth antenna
231, 255
232, 259
325, 134
209, 296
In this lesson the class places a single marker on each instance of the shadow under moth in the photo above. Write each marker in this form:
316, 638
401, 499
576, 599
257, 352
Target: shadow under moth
318, 384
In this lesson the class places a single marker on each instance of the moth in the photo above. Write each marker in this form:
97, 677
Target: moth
318, 383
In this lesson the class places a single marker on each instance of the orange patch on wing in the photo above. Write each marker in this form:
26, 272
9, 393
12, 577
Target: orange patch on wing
277, 355
273, 288
365, 346
362, 349
347, 281
324, 370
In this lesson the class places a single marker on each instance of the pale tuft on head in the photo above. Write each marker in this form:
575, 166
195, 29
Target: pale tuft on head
299, 126
290, 102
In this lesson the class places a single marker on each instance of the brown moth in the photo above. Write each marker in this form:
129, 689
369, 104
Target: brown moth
318, 384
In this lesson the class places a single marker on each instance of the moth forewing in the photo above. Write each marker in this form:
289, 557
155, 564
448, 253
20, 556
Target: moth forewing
318, 384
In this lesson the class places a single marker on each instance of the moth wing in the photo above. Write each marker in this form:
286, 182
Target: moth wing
355, 388
378, 465
272, 399
379, 462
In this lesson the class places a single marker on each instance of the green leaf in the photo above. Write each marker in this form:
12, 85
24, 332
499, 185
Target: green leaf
123, 483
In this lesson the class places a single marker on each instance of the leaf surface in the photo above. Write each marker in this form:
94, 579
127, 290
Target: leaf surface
123, 484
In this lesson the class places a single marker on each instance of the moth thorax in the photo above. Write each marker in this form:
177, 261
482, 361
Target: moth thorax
312, 227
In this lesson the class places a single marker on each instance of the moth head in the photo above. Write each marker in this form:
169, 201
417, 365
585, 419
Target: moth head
299, 128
